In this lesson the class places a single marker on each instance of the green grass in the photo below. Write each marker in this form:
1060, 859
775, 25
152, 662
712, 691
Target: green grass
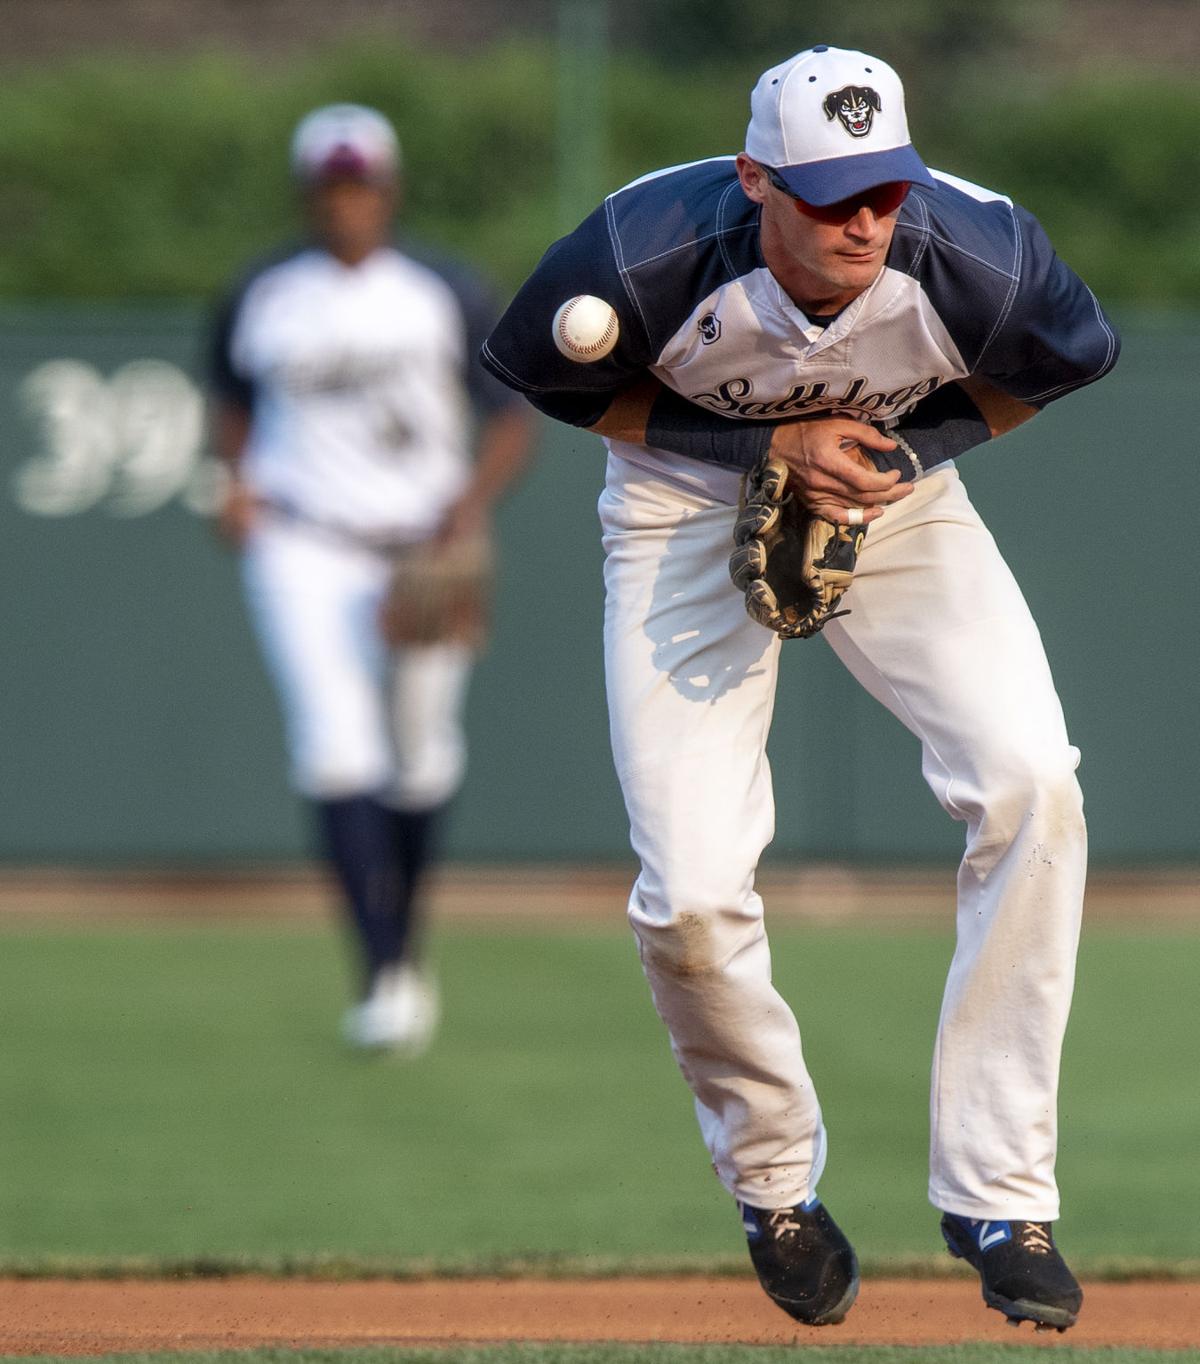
658, 1354
175, 1098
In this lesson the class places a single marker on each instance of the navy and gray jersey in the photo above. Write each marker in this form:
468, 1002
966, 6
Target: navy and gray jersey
971, 287
361, 383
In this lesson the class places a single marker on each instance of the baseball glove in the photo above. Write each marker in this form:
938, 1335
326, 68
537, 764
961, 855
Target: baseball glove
793, 565
439, 592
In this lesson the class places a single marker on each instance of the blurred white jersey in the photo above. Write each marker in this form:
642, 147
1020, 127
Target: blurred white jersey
358, 382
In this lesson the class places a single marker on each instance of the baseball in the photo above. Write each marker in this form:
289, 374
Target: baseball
585, 329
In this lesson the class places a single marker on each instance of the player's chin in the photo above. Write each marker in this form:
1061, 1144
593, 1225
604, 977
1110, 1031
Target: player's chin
858, 269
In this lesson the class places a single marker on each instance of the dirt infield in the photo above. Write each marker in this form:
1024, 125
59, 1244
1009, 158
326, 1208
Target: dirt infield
543, 894
93, 1317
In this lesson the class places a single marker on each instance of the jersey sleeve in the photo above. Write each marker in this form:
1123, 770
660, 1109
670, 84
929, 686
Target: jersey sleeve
226, 383
521, 352
1054, 338
1043, 336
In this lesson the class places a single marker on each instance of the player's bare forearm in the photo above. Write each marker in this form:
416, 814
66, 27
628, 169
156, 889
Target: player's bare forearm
1001, 412
648, 412
504, 449
957, 417
238, 510
628, 415
830, 473
230, 431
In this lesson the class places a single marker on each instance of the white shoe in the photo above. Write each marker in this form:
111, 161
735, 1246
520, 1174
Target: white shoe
400, 1014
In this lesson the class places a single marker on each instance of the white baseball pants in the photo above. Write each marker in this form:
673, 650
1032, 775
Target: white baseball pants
359, 719
940, 634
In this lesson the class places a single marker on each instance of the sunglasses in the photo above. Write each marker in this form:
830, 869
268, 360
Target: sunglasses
880, 199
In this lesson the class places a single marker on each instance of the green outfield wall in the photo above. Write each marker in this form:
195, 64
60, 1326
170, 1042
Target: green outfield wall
136, 723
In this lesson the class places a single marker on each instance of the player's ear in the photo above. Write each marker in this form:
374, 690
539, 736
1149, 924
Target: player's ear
753, 177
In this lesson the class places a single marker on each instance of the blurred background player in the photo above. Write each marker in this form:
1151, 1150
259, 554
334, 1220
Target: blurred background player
345, 377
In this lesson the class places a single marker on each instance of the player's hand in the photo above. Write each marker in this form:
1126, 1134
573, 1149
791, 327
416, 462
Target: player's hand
832, 475
237, 514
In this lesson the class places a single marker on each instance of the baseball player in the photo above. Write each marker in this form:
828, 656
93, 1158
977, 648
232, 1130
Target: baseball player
825, 300
345, 373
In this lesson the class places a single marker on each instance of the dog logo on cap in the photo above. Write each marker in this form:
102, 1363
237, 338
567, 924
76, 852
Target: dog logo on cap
855, 105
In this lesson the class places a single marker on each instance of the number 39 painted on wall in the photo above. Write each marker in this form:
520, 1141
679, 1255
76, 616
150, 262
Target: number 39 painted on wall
129, 443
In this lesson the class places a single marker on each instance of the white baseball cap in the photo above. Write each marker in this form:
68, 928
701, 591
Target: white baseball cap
832, 123
345, 140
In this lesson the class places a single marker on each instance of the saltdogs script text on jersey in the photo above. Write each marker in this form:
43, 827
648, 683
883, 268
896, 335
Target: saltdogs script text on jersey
963, 292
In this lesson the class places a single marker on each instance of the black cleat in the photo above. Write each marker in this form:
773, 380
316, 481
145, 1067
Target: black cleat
1022, 1273
804, 1263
